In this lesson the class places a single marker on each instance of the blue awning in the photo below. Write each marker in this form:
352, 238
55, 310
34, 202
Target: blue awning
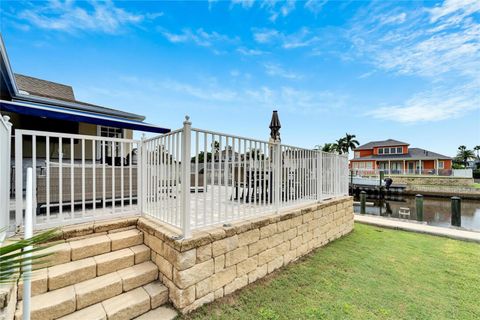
54, 112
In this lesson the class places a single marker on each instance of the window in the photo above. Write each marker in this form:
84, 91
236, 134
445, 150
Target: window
441, 165
368, 165
380, 150
110, 148
110, 132
399, 150
392, 150
387, 150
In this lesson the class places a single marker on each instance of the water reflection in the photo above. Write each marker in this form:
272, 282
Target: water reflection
436, 211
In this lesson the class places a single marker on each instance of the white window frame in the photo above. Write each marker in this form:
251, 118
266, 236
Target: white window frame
441, 164
99, 145
399, 150
380, 150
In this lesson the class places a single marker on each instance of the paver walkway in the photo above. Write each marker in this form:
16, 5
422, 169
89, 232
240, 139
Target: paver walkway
420, 228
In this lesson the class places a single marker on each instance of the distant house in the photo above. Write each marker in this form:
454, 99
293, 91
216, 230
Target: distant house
397, 157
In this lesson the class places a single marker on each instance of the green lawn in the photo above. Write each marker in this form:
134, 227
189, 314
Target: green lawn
372, 273
476, 185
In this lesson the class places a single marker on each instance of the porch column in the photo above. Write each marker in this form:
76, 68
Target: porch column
436, 167
420, 166
404, 169
389, 168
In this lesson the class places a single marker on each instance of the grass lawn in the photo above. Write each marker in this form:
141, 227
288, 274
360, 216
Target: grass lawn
372, 273
476, 185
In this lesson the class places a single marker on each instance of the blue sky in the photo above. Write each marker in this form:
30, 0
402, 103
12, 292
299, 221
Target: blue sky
403, 70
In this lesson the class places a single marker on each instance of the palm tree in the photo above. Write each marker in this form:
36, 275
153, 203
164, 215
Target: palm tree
477, 148
350, 142
12, 256
464, 154
340, 146
327, 147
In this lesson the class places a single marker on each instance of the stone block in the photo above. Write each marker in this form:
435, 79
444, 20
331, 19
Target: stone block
138, 275
141, 253
90, 247
164, 266
158, 293
257, 247
268, 230
113, 261
236, 256
50, 305
204, 253
258, 273
275, 264
39, 283
247, 266
70, 273
125, 239
180, 260
127, 305
219, 263
224, 245
186, 278
236, 284
98, 289
248, 237
223, 277
95, 312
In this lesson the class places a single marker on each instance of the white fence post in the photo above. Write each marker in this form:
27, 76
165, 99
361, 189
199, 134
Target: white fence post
186, 150
28, 234
5, 153
277, 180
319, 175
141, 174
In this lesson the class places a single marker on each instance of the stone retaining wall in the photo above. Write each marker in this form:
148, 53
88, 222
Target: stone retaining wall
431, 180
217, 262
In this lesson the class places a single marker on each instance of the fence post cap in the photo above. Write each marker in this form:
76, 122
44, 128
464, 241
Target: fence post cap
455, 198
187, 120
419, 195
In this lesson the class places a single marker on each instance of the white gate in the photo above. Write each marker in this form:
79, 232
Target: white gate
5, 146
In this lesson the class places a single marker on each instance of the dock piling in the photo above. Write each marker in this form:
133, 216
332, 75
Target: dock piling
456, 211
363, 200
419, 207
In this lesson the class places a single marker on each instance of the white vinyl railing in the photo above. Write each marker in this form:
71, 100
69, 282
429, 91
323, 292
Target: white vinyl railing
76, 178
196, 178
189, 178
5, 133
376, 172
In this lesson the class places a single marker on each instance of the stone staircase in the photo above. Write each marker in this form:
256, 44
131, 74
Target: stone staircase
108, 276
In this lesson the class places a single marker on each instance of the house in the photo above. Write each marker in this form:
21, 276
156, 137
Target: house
397, 157
41, 105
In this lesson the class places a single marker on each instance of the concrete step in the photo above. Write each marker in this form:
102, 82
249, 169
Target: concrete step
81, 295
113, 261
70, 273
98, 289
50, 305
158, 293
160, 313
126, 239
138, 275
95, 312
127, 305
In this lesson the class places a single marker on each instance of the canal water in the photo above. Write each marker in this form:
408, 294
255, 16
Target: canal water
436, 211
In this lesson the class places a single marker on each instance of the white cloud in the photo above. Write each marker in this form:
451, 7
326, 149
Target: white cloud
441, 45
301, 38
315, 6
96, 16
265, 35
276, 70
250, 52
244, 3
438, 104
199, 37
